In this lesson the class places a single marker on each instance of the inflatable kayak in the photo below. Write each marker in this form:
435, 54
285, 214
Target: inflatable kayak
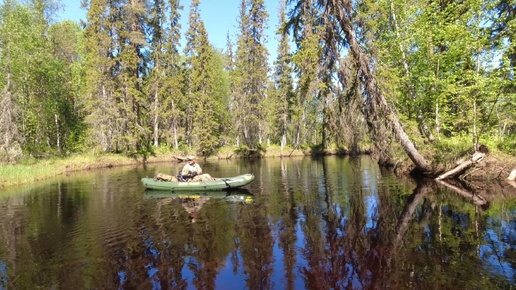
216, 184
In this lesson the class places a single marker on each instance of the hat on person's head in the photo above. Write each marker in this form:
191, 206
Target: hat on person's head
190, 157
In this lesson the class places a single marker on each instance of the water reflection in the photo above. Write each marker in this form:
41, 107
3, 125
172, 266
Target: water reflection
192, 202
326, 223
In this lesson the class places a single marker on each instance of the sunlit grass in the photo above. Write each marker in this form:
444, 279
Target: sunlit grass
19, 174
28, 171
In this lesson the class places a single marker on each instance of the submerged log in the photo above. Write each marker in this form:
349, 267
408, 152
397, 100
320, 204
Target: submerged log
475, 158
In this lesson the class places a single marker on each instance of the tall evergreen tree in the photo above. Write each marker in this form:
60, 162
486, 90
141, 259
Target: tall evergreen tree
100, 104
238, 75
283, 94
307, 60
157, 60
130, 21
230, 69
165, 82
173, 88
204, 107
117, 65
252, 67
192, 49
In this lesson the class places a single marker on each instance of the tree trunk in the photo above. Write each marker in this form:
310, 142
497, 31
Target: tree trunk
156, 119
342, 14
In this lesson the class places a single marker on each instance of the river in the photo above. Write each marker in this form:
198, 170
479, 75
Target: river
303, 223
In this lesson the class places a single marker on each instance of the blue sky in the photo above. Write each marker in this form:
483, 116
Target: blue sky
219, 16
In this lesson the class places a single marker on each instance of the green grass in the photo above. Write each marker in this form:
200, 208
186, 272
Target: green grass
31, 170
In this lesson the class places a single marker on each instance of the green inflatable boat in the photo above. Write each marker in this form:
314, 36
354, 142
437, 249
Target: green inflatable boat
217, 184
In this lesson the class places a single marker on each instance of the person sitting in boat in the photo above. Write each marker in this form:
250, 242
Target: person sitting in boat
191, 168
192, 171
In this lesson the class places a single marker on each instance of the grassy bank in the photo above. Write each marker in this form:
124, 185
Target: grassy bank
29, 171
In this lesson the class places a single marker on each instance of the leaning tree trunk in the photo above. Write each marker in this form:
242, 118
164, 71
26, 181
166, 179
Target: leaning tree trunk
341, 10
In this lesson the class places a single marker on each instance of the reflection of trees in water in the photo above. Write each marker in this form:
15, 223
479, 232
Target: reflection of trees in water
156, 254
287, 227
211, 241
409, 241
323, 251
287, 241
255, 244
171, 236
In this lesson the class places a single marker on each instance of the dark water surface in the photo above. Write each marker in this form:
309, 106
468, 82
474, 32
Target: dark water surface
304, 223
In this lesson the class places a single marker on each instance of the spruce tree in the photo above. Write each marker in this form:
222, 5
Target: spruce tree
173, 89
130, 20
306, 59
283, 94
100, 104
205, 93
157, 61
252, 68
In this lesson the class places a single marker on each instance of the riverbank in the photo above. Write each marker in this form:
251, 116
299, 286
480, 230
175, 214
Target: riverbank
33, 170
496, 166
30, 171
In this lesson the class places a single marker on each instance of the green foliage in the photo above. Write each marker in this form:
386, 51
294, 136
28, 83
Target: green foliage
121, 85
451, 151
508, 145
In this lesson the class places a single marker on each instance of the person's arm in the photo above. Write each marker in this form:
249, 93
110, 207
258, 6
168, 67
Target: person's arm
198, 168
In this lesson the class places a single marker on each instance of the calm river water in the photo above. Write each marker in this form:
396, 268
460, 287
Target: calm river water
304, 223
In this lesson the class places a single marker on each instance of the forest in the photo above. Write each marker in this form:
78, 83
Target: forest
413, 76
